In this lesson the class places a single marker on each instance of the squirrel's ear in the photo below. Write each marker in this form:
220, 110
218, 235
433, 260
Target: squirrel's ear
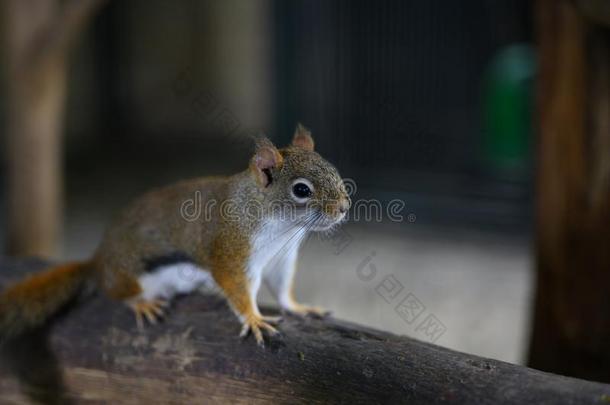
265, 158
302, 138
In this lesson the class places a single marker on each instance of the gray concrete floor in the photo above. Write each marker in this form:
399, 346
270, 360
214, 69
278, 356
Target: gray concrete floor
466, 290
463, 290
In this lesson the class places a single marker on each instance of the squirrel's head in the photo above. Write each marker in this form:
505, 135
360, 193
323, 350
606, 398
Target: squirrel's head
298, 178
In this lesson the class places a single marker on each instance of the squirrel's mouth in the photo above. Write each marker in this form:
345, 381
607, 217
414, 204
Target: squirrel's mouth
328, 223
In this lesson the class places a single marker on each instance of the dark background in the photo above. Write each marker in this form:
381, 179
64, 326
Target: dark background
392, 91
395, 93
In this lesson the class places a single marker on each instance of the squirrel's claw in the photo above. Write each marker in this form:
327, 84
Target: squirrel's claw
255, 325
306, 310
152, 311
273, 320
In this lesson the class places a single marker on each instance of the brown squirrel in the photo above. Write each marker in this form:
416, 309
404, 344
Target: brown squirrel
253, 226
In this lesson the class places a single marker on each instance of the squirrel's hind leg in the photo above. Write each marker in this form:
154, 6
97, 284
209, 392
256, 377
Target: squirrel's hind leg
162, 284
151, 310
125, 287
149, 292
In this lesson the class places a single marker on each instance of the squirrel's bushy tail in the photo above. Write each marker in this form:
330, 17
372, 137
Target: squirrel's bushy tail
31, 302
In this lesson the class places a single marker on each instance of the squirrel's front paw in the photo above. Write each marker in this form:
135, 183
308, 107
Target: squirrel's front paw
255, 324
305, 310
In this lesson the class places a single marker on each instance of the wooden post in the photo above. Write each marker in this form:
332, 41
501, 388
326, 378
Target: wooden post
571, 333
40, 34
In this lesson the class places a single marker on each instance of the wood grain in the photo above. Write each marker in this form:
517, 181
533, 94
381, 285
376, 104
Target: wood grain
195, 356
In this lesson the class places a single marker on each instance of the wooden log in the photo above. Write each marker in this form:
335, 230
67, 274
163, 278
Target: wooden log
97, 355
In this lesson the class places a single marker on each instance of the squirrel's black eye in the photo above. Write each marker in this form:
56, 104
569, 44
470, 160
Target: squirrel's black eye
301, 190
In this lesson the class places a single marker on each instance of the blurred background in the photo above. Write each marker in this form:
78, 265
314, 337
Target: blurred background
430, 103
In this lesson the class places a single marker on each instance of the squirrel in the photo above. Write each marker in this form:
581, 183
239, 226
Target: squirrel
250, 232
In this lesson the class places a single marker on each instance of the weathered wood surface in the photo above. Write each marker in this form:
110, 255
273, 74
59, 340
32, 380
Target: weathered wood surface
195, 356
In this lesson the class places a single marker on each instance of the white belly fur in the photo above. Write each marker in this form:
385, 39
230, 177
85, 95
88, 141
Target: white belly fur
269, 248
170, 280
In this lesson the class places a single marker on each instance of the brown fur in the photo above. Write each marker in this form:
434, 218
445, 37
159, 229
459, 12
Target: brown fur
29, 303
228, 262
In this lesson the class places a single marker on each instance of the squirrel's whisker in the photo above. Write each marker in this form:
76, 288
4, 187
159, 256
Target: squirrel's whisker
301, 229
296, 224
276, 237
301, 233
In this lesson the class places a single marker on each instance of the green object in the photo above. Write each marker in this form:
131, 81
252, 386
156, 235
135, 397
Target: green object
507, 103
